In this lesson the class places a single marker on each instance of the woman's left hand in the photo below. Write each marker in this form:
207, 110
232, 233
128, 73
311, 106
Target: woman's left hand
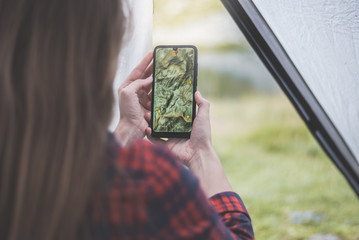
135, 102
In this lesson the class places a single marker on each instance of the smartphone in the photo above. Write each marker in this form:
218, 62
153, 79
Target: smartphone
173, 88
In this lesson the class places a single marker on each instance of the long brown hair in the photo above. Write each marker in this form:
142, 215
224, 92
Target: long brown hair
57, 64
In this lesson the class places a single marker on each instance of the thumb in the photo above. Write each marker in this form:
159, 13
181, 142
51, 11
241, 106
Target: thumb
203, 104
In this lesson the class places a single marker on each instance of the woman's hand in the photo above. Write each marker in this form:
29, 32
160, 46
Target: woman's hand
186, 149
135, 102
197, 152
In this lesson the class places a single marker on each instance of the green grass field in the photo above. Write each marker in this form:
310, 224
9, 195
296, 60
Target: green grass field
277, 167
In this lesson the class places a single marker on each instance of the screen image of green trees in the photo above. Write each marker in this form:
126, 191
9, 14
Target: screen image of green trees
173, 89
290, 187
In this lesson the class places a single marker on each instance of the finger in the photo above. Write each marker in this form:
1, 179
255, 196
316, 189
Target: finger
148, 89
148, 72
148, 105
153, 139
148, 132
140, 84
145, 100
139, 71
148, 117
203, 104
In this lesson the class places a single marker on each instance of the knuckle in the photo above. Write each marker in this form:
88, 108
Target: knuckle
124, 92
206, 103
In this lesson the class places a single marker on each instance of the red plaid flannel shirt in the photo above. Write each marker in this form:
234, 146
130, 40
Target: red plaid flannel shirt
148, 194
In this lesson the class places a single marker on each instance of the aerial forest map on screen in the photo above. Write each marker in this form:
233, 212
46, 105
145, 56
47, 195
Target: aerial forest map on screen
173, 90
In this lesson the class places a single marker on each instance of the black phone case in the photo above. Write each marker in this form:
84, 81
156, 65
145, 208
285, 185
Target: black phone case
175, 134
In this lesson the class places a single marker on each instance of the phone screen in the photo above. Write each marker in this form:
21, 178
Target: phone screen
174, 85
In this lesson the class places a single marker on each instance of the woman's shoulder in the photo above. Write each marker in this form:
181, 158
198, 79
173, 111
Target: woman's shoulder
147, 165
143, 155
147, 193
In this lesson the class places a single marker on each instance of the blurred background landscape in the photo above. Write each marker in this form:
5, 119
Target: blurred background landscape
290, 187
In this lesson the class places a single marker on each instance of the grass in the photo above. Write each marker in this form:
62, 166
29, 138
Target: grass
277, 167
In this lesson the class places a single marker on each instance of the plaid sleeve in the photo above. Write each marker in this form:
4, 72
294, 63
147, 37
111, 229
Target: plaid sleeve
233, 214
149, 195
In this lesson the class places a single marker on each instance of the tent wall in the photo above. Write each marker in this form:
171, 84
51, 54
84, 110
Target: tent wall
322, 39
311, 49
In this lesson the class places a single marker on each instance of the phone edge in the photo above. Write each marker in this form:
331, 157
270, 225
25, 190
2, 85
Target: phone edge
194, 104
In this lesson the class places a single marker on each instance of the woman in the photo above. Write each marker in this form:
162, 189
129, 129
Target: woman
62, 175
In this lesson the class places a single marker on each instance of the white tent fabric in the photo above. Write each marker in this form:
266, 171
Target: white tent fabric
137, 43
322, 39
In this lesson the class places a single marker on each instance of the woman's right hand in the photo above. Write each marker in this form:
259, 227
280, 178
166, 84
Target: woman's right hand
186, 149
197, 152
